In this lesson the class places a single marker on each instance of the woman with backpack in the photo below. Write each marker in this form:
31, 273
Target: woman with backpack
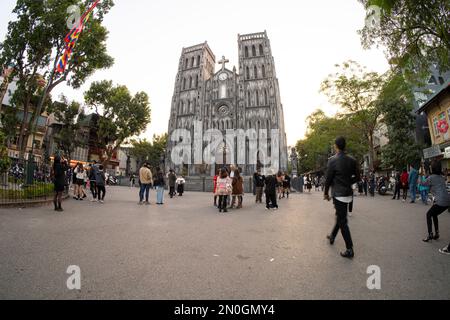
223, 189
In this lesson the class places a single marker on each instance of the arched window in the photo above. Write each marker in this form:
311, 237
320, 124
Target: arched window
266, 100
198, 61
196, 81
255, 72
253, 51
186, 65
263, 71
190, 82
268, 125
249, 99
246, 52
192, 62
247, 72
257, 97
184, 83
194, 104
261, 51
188, 107
180, 107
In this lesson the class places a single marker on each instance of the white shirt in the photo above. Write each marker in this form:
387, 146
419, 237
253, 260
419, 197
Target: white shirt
345, 199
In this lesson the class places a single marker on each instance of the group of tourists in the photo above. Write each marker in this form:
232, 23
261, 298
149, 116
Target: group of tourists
93, 177
343, 173
228, 188
158, 182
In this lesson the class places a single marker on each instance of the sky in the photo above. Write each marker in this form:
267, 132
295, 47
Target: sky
307, 37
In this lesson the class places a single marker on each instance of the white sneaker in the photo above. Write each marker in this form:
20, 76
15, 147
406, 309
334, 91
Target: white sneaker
94, 200
101, 201
444, 251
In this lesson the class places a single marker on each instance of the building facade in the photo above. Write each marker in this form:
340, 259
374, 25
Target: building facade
248, 98
437, 111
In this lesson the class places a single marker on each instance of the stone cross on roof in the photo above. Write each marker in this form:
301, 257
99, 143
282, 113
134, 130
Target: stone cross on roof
223, 62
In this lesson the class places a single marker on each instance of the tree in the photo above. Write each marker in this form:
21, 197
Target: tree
396, 104
68, 114
355, 91
317, 146
151, 152
415, 33
35, 42
121, 115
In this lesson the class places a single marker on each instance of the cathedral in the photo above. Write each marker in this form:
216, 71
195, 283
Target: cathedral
248, 98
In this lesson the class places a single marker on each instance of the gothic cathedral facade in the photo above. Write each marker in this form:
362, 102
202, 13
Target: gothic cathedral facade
228, 99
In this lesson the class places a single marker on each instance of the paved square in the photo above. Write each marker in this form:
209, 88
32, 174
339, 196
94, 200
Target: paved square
186, 250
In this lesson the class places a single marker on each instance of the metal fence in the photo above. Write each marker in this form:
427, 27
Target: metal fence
26, 182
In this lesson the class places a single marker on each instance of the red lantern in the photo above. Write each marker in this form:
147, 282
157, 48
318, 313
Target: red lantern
442, 126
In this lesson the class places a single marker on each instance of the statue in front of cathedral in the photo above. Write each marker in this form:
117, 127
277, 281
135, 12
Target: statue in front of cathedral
294, 162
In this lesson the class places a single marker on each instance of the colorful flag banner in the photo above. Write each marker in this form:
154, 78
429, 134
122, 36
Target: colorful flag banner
72, 38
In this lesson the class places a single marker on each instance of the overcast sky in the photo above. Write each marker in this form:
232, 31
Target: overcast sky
308, 38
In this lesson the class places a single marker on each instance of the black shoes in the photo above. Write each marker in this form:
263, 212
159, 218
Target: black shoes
429, 238
349, 254
331, 239
436, 236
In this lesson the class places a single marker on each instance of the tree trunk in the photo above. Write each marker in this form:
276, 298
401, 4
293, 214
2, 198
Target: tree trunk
371, 152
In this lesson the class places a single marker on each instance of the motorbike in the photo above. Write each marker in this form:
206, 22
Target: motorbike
381, 188
112, 181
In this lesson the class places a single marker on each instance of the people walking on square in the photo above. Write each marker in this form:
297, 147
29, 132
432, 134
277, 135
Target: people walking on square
92, 182
286, 185
412, 179
438, 186
145, 180
271, 190
280, 179
397, 186
301, 180
372, 184
59, 180
132, 180
160, 184
308, 183
237, 190
180, 185
172, 177
259, 185
342, 173
224, 189
101, 184
215, 187
423, 188
80, 175
404, 184
365, 183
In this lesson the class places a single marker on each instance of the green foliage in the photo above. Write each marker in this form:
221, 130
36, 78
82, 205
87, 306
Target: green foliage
35, 191
415, 33
34, 43
121, 115
68, 115
317, 146
151, 152
5, 162
396, 103
355, 91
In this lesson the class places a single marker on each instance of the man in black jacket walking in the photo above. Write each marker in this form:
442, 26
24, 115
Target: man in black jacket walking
342, 173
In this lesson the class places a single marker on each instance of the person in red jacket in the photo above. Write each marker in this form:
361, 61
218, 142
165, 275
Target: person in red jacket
404, 184
215, 187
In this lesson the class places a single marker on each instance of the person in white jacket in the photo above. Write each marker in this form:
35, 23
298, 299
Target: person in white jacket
81, 176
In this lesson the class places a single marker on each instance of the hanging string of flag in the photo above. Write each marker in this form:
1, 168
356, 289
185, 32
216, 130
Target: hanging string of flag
72, 38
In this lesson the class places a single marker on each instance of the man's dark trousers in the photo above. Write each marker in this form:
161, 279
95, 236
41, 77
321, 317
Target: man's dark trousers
342, 223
